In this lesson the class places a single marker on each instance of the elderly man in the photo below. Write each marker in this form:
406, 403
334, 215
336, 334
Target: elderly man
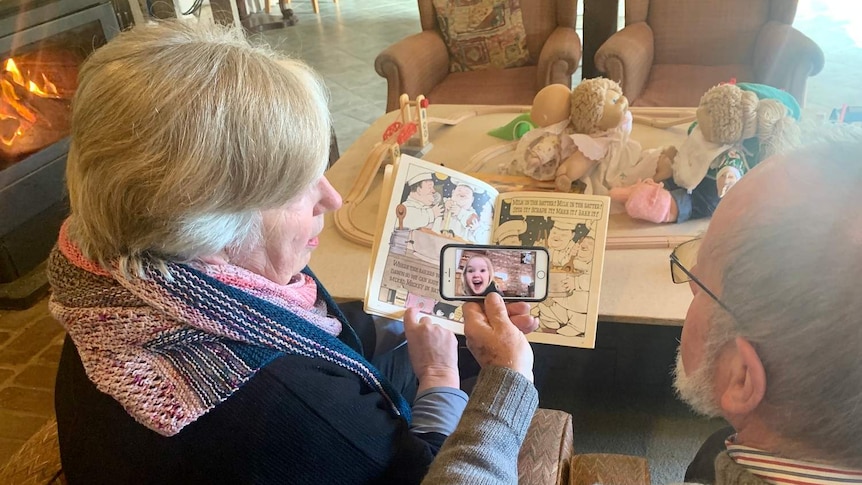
772, 340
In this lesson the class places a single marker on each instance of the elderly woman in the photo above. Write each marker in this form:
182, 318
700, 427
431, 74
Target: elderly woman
201, 349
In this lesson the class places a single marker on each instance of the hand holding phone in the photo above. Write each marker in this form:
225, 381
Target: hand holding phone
470, 272
494, 339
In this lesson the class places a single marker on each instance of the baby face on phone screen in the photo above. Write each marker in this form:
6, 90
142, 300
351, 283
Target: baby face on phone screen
477, 275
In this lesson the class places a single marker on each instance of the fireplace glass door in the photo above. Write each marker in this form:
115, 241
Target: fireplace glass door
42, 46
36, 88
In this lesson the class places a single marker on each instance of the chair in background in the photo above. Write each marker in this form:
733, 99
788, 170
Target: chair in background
420, 63
314, 5
672, 51
256, 22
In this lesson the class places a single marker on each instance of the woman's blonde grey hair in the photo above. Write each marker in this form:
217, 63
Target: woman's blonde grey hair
181, 134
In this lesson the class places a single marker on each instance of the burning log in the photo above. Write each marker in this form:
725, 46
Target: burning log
34, 111
19, 138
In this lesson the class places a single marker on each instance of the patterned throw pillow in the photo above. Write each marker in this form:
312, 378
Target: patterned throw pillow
482, 34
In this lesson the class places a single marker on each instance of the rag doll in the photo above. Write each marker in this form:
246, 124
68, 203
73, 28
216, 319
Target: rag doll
541, 148
735, 130
583, 134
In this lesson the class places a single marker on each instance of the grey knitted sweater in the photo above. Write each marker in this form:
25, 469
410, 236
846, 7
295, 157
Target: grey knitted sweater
484, 447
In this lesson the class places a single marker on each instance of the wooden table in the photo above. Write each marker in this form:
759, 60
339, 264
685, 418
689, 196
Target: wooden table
636, 283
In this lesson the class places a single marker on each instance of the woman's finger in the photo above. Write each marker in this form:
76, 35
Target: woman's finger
414, 320
411, 316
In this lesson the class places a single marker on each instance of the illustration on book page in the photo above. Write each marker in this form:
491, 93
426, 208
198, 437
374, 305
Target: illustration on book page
570, 239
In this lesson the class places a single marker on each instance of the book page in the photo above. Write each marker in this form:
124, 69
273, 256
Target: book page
429, 206
573, 227
382, 209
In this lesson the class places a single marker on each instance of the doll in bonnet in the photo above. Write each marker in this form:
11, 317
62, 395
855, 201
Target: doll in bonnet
735, 130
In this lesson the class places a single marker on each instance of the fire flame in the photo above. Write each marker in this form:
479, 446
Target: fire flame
10, 97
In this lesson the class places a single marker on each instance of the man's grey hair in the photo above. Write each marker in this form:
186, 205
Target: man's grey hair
181, 134
791, 278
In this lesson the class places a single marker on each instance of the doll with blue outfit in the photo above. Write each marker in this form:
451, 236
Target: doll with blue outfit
737, 126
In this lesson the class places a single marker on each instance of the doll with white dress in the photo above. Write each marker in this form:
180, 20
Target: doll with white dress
584, 135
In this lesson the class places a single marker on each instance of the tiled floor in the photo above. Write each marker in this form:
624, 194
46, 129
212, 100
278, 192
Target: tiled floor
29, 349
342, 43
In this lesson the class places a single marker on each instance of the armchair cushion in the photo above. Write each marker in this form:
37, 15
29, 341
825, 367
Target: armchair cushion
37, 462
483, 34
684, 84
627, 58
556, 63
547, 448
608, 468
413, 65
516, 86
785, 58
420, 64
672, 51
708, 32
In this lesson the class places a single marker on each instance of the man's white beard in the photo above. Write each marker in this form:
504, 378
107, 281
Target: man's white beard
696, 389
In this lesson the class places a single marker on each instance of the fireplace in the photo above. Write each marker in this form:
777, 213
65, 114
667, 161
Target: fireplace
42, 45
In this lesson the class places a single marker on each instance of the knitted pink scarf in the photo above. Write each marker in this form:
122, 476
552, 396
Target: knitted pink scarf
300, 293
145, 341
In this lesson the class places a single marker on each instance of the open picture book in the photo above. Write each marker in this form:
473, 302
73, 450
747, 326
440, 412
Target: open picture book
425, 206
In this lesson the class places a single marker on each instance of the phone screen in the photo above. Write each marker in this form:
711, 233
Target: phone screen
469, 272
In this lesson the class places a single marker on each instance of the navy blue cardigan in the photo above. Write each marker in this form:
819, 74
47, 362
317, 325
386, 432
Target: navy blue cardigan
298, 420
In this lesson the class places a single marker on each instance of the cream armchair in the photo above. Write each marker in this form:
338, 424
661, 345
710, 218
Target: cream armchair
671, 51
419, 64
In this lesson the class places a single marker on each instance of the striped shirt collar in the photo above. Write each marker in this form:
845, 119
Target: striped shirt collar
783, 471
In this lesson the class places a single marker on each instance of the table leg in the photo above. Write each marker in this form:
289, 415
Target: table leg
223, 11
163, 10
286, 13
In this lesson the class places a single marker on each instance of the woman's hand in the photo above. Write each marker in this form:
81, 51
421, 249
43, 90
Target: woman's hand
495, 334
433, 352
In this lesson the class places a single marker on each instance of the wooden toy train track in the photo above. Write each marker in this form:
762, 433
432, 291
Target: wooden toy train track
388, 151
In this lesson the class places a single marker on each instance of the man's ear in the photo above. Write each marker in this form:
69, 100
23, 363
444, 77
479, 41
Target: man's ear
747, 384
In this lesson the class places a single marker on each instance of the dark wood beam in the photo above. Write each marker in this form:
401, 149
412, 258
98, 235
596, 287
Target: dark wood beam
600, 22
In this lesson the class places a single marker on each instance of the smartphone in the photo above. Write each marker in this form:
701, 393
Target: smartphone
469, 272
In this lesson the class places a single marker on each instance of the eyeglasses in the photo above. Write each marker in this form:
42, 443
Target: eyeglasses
684, 257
